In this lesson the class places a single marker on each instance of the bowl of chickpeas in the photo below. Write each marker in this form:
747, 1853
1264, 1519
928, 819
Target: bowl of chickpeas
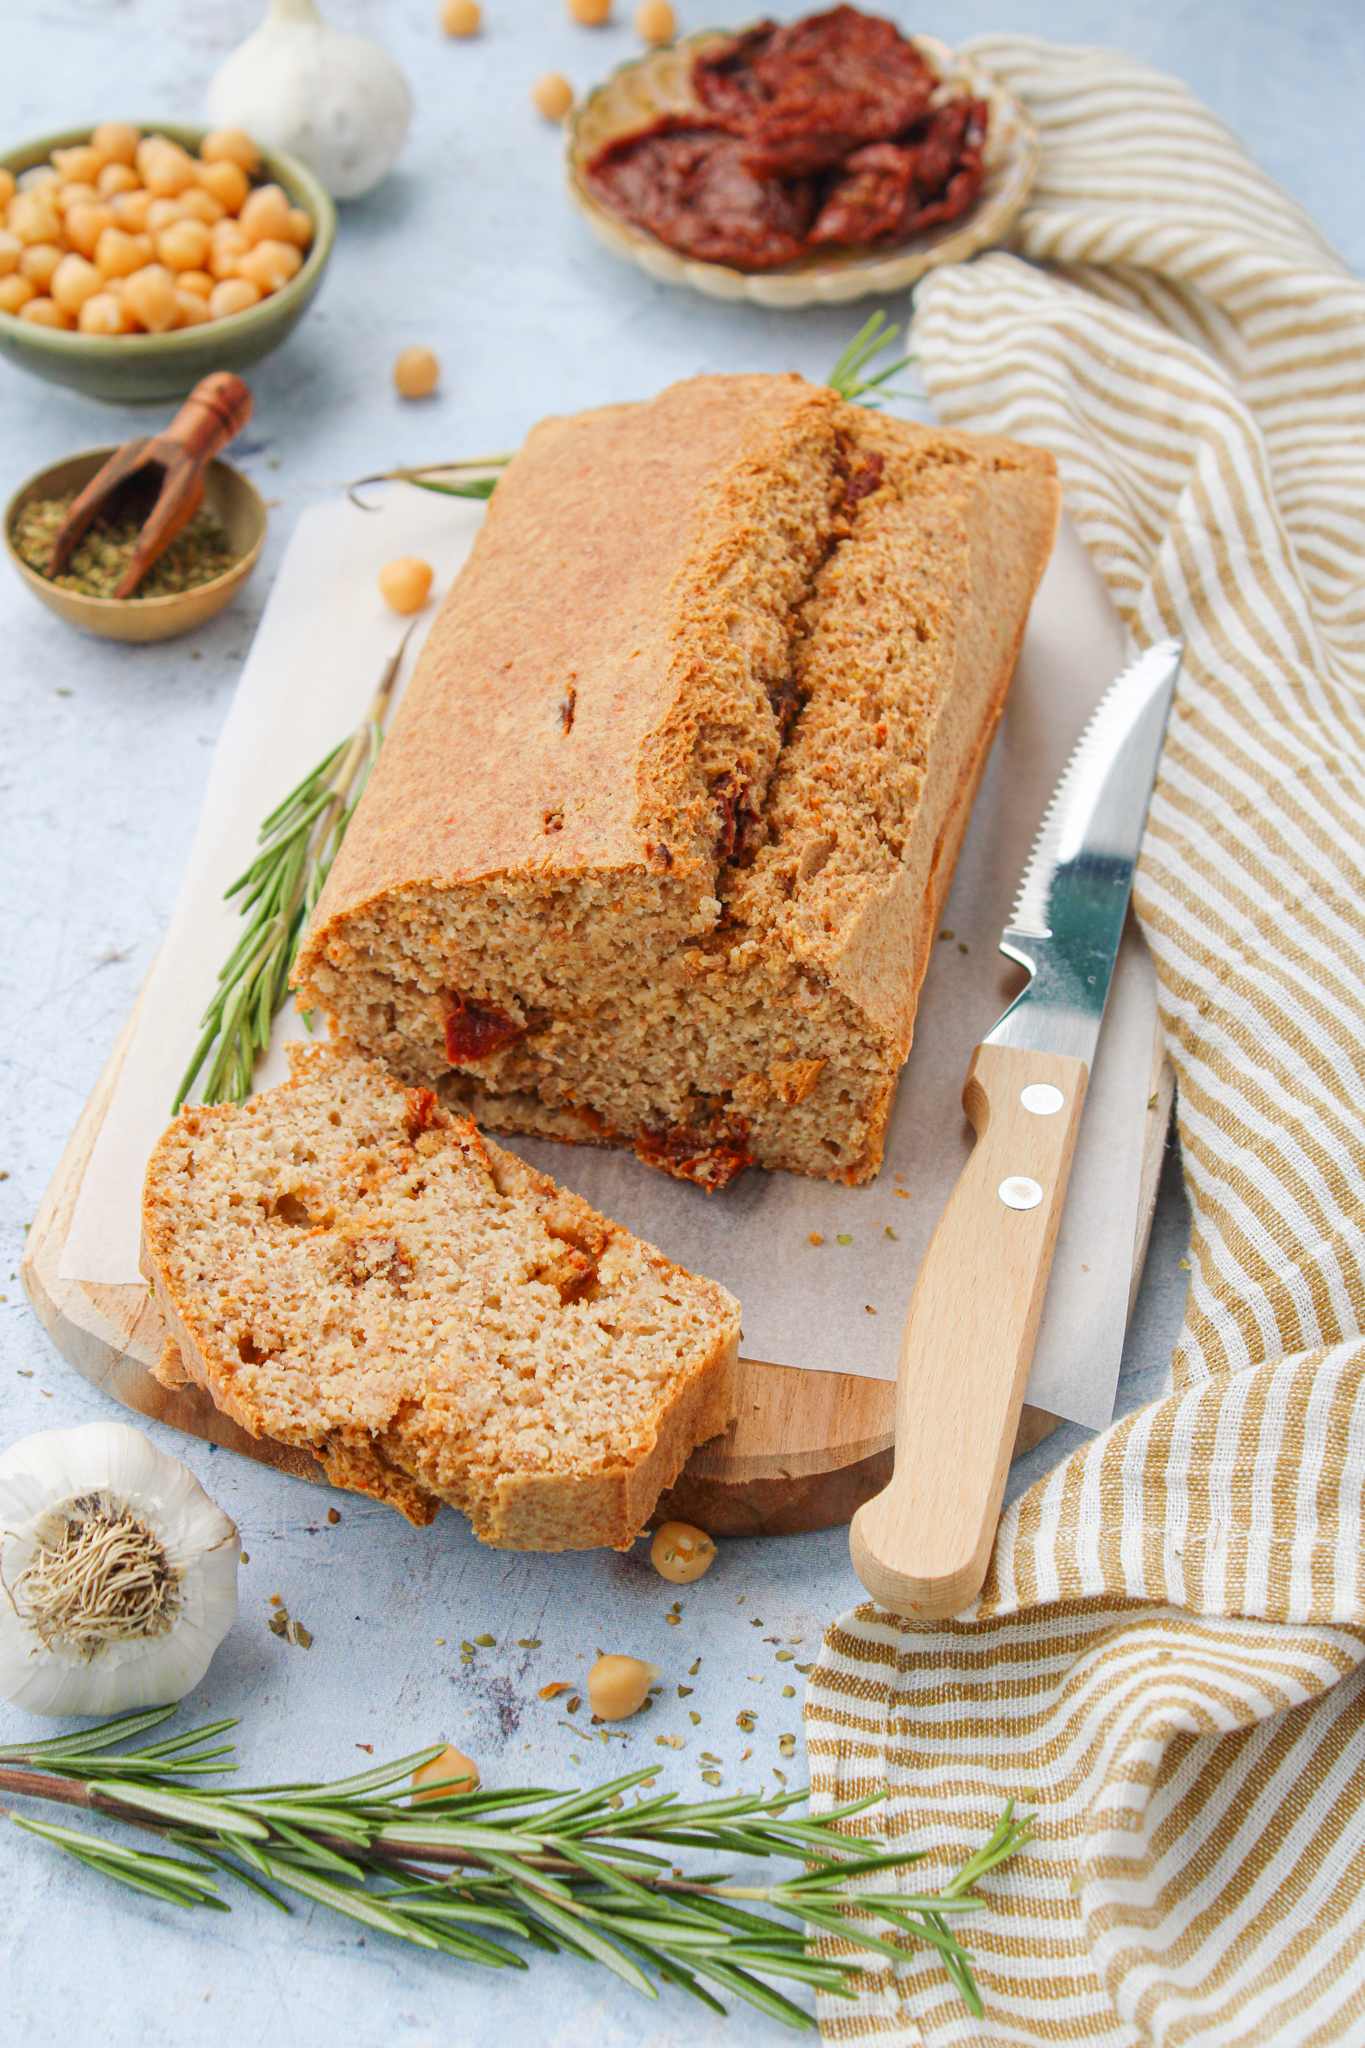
135, 259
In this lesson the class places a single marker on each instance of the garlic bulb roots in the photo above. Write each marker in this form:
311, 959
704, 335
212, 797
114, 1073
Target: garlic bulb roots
118, 1574
335, 100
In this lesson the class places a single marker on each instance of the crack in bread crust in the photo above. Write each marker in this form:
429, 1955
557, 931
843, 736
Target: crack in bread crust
784, 689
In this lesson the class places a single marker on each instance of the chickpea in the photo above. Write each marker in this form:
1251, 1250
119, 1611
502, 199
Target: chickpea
225, 251
15, 292
619, 1686
270, 264
38, 263
590, 13
230, 146
433, 1780
130, 210
164, 167
416, 373
194, 306
84, 225
232, 295
34, 218
11, 249
197, 281
44, 312
160, 214
300, 227
6, 186
81, 165
117, 177
680, 1553
654, 22
119, 254
103, 313
197, 204
227, 182
149, 296
184, 245
265, 216
552, 95
68, 196
460, 17
116, 141
405, 583
74, 281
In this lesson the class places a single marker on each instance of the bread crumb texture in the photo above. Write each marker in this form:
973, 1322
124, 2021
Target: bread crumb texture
349, 1268
656, 851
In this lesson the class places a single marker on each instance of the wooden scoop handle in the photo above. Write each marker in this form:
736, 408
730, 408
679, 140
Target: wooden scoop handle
214, 413
921, 1547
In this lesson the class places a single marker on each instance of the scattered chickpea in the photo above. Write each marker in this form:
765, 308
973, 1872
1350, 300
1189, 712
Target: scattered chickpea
655, 22
552, 95
405, 583
232, 295
431, 1781
591, 13
680, 1553
460, 17
416, 373
619, 1686
230, 146
15, 292
227, 182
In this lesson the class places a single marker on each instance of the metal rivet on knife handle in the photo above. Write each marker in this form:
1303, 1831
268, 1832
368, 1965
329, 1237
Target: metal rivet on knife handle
1040, 1099
1019, 1192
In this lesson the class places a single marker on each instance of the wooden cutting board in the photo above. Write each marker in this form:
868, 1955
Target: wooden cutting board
807, 1449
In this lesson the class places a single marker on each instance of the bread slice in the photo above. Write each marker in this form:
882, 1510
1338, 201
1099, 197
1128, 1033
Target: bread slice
658, 845
346, 1267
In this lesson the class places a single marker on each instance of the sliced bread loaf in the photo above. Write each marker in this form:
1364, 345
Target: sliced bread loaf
347, 1267
656, 850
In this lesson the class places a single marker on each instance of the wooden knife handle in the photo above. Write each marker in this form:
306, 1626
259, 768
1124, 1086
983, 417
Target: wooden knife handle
921, 1547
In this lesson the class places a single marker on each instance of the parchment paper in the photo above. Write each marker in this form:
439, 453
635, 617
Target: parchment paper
838, 1305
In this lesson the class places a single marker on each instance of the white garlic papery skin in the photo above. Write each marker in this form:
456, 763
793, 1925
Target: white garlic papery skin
336, 101
119, 1573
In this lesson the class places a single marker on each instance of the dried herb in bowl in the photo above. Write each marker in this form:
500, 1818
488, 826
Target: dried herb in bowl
199, 553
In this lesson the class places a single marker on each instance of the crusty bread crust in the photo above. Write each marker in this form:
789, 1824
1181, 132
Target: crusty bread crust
345, 1268
674, 798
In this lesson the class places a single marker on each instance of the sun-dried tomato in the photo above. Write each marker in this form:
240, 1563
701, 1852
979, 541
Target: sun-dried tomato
711, 1156
421, 1111
474, 1030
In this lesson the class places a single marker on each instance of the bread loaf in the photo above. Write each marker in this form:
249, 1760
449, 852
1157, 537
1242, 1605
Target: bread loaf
656, 850
346, 1267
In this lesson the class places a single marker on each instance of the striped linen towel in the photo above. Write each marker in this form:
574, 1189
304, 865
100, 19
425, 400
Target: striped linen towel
1167, 1662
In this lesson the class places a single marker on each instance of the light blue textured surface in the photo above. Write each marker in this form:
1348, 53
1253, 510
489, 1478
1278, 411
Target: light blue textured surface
471, 248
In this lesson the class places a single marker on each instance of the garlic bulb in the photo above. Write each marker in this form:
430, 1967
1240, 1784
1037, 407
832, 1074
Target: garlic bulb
118, 1574
338, 102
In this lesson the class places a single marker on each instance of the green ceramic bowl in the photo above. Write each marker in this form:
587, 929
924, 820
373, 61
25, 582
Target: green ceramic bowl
129, 368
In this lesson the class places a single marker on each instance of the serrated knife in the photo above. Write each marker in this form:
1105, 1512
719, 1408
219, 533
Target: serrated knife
921, 1547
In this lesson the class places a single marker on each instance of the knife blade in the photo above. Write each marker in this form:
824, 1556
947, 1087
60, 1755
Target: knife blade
922, 1545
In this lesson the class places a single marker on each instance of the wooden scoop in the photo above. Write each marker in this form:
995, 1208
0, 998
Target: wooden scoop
214, 413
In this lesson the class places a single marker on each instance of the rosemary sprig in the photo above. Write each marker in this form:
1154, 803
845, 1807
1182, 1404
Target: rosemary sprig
556, 1870
871, 340
298, 843
426, 476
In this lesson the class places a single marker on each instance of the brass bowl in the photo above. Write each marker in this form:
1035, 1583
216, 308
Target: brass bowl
237, 506
660, 82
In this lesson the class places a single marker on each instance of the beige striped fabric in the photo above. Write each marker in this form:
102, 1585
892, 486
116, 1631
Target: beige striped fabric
1167, 1663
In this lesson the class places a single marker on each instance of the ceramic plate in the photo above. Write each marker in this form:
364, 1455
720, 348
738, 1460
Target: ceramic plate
661, 83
